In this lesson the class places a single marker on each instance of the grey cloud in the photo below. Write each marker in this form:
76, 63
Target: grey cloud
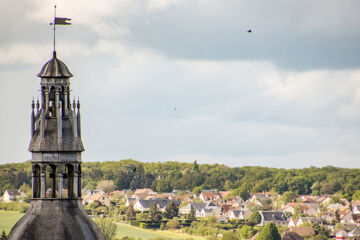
293, 35
223, 110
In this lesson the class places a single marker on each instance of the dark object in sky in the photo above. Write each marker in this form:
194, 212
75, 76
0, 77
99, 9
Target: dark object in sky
249, 31
62, 21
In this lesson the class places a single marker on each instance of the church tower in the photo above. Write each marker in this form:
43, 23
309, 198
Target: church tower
56, 211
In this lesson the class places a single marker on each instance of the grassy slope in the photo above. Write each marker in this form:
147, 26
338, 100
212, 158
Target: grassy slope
135, 232
8, 220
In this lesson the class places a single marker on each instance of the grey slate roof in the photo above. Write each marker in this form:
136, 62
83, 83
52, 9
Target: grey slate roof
237, 212
274, 216
57, 219
198, 206
12, 192
313, 220
50, 142
162, 203
54, 68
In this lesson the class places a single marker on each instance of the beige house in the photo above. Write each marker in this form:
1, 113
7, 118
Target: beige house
100, 198
210, 195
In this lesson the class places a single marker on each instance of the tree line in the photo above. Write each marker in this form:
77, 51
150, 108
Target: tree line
166, 176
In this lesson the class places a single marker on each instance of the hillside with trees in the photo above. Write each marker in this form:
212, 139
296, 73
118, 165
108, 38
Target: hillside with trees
166, 176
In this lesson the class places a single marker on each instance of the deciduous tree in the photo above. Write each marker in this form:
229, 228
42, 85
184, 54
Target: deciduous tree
155, 215
171, 210
247, 232
173, 223
107, 227
255, 217
3, 235
106, 186
269, 232
130, 213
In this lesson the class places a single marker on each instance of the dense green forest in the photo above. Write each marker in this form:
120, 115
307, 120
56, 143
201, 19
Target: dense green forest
166, 176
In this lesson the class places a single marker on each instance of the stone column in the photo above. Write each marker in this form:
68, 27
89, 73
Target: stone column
42, 123
76, 184
53, 185
75, 127
34, 185
32, 118
79, 184
61, 184
66, 111
58, 115
46, 101
43, 184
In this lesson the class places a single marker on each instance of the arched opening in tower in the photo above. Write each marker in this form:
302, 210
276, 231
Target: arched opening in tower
79, 181
36, 181
61, 100
69, 171
52, 107
50, 182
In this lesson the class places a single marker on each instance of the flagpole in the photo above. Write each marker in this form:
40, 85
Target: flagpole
60, 21
54, 28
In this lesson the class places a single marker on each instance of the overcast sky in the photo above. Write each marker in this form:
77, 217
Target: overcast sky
183, 80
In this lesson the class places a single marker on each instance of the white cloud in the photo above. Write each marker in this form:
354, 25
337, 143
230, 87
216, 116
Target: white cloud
125, 52
110, 30
81, 11
161, 4
313, 88
21, 53
95, 12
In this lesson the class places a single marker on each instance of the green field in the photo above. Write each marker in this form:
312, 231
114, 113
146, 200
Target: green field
8, 220
124, 230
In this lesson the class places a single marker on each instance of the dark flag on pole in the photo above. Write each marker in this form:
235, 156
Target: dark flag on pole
62, 21
59, 21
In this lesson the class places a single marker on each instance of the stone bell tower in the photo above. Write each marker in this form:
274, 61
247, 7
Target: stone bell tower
56, 211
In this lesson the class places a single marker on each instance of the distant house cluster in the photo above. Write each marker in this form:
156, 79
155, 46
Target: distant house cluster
297, 215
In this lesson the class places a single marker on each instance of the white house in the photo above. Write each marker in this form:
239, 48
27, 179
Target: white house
187, 208
356, 209
311, 220
240, 214
143, 205
346, 217
10, 195
292, 222
207, 212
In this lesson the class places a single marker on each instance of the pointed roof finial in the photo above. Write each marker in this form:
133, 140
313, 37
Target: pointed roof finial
37, 104
74, 104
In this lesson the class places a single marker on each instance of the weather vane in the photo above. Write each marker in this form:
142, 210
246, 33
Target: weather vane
59, 21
